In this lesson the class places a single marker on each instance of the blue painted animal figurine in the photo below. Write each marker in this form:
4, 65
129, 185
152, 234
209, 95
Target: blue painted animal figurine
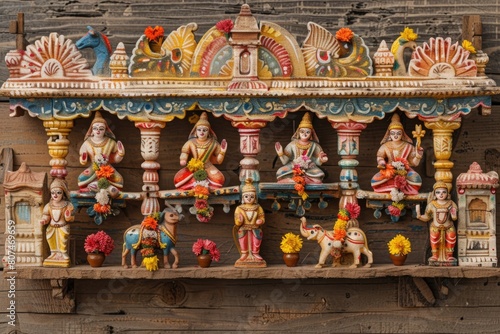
167, 229
102, 49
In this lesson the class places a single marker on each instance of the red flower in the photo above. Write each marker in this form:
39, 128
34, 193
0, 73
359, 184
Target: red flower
225, 26
102, 209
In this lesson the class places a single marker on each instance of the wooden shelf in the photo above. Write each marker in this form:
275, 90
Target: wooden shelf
271, 272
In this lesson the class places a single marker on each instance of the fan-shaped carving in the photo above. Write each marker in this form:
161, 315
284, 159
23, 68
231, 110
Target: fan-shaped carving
213, 56
281, 48
441, 59
325, 56
174, 58
53, 57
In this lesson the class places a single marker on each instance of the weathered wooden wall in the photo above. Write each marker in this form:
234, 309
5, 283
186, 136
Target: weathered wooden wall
310, 305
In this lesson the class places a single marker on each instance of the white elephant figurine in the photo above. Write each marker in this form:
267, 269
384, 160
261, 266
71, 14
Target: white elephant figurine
354, 242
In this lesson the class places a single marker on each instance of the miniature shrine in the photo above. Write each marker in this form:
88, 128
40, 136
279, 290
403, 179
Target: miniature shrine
249, 73
199, 99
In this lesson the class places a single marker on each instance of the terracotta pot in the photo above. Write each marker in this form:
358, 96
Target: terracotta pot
291, 259
96, 259
204, 260
398, 260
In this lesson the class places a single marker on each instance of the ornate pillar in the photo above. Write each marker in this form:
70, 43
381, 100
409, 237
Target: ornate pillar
249, 148
348, 148
150, 150
442, 132
58, 143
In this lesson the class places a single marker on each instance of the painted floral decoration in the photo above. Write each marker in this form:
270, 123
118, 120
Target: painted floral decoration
99, 242
206, 246
344, 35
150, 242
399, 245
291, 243
467, 45
300, 165
104, 172
200, 190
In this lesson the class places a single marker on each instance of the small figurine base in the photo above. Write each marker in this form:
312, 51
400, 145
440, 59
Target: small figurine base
60, 263
250, 262
440, 263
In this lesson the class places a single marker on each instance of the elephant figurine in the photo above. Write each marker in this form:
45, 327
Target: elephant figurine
354, 243
167, 231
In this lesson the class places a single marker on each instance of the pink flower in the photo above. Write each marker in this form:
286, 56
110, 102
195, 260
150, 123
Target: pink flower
354, 210
99, 242
205, 246
394, 211
400, 182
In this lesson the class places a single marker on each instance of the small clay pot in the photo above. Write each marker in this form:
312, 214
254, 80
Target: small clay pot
96, 259
204, 260
291, 259
398, 260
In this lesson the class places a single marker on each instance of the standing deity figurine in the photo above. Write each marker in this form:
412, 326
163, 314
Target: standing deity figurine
102, 148
248, 220
443, 211
394, 158
205, 152
303, 151
57, 214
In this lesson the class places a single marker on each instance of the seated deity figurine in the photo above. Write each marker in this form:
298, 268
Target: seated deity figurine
205, 151
443, 211
394, 158
248, 221
303, 151
102, 148
57, 214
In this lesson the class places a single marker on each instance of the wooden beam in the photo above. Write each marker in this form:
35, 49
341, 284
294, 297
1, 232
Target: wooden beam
472, 30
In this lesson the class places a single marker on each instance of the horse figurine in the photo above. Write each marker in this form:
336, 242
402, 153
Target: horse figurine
168, 235
102, 49
354, 242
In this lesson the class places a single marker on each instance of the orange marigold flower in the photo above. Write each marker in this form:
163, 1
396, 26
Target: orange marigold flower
105, 171
388, 172
299, 187
201, 190
150, 223
344, 35
339, 234
155, 33
102, 209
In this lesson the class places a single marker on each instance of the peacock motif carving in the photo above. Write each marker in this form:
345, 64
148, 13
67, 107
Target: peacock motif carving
173, 59
53, 57
327, 55
406, 40
441, 59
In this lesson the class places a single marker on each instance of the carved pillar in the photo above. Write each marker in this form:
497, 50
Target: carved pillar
58, 143
348, 134
249, 147
442, 132
150, 150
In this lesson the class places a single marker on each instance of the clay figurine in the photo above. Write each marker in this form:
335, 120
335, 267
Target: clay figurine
443, 211
248, 220
102, 148
303, 151
394, 158
205, 151
57, 214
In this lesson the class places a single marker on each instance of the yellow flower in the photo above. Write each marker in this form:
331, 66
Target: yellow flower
151, 263
195, 164
399, 245
399, 205
409, 34
340, 224
291, 243
468, 46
